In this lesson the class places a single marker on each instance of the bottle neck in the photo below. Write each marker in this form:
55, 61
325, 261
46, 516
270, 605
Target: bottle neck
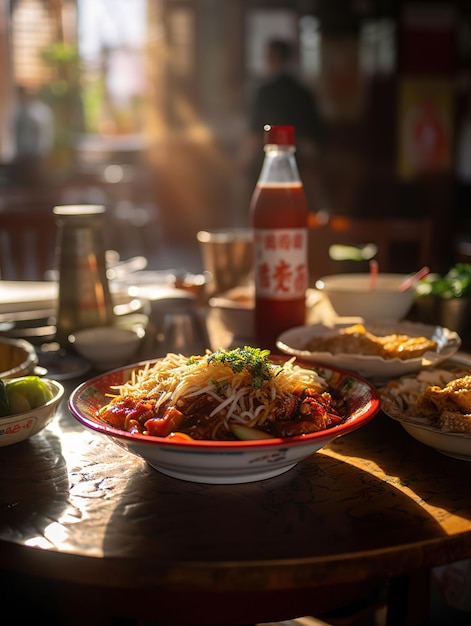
274, 147
279, 165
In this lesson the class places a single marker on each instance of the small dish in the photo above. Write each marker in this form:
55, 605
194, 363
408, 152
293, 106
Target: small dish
223, 462
16, 428
107, 347
236, 310
456, 445
18, 357
294, 340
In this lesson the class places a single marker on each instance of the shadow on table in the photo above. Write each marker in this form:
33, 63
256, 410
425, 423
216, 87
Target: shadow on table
301, 543
36, 488
304, 539
438, 480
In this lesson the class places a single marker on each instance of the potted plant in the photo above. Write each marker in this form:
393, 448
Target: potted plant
446, 300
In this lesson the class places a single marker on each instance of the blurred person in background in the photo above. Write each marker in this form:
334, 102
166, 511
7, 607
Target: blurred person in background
33, 135
283, 99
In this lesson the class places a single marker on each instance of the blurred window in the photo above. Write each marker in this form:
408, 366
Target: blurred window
310, 46
112, 38
378, 46
377, 42
32, 31
262, 25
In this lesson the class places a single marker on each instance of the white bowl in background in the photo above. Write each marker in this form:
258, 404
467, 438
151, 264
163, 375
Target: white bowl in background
107, 347
236, 310
16, 428
350, 296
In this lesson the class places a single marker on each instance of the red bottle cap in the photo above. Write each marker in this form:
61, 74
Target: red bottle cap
280, 135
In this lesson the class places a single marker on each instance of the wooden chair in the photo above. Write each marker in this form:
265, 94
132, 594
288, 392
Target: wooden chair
27, 243
403, 244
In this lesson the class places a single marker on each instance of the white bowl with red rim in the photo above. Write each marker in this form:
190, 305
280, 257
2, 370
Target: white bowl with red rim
223, 462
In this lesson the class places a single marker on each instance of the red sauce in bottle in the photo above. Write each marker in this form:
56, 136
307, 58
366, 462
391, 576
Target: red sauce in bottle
279, 217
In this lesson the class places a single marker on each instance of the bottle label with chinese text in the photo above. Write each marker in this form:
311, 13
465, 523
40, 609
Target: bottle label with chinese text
280, 263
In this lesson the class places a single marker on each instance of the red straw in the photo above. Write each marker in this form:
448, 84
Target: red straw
373, 274
409, 282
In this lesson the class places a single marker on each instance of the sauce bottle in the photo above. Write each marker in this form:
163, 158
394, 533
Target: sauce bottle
279, 219
84, 298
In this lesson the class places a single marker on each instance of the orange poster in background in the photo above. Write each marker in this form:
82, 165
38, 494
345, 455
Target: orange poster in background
425, 126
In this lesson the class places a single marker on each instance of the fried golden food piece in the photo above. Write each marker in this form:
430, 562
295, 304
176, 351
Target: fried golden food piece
455, 396
357, 340
452, 422
448, 407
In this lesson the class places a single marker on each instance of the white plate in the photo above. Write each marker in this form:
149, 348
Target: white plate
29, 295
456, 445
25, 295
293, 341
28, 309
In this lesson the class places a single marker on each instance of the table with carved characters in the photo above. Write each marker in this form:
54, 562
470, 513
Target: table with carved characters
98, 533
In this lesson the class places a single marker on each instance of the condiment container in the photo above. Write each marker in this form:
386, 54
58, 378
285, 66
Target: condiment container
84, 298
279, 220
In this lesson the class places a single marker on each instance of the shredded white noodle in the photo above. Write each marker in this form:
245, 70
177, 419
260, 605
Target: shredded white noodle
406, 391
176, 378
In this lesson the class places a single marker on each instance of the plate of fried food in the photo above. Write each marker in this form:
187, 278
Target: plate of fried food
229, 416
434, 406
371, 350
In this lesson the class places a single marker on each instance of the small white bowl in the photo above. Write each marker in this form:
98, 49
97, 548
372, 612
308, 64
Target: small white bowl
107, 347
350, 296
236, 310
394, 400
16, 428
18, 358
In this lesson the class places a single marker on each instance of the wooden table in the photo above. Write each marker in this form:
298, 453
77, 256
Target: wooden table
98, 532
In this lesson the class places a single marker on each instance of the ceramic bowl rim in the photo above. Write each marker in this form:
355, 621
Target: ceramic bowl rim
223, 446
329, 284
224, 235
220, 302
120, 335
57, 388
30, 361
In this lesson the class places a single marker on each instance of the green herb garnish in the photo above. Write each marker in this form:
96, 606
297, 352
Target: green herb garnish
219, 386
456, 283
254, 360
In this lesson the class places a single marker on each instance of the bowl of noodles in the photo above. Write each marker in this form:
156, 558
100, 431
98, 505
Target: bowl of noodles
224, 417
